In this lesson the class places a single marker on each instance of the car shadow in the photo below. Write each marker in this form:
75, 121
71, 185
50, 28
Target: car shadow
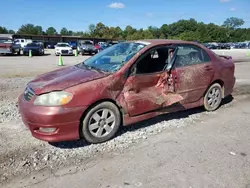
10, 55
47, 54
142, 124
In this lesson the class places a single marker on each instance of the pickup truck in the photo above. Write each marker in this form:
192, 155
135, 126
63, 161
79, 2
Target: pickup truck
8, 46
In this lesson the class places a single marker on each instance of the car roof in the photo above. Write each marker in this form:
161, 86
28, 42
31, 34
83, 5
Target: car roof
164, 41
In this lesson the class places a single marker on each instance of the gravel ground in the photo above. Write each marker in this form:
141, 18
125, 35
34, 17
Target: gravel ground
10, 89
21, 154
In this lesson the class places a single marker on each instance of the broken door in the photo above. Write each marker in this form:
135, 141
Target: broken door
146, 90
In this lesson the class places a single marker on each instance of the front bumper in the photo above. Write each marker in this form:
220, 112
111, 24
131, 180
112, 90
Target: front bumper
66, 121
5, 51
64, 52
89, 50
34, 52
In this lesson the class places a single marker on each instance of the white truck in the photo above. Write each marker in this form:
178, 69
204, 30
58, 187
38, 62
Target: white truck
23, 42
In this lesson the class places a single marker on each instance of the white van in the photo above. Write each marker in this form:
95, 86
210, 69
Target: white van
23, 42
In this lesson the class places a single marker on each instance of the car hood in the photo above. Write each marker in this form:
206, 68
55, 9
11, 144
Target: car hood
88, 45
62, 79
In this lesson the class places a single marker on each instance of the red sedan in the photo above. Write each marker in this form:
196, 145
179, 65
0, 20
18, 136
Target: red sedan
124, 84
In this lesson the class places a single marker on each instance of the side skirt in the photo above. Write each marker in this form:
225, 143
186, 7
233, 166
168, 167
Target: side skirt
127, 120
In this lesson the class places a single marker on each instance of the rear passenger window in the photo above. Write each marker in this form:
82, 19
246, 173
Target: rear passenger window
190, 55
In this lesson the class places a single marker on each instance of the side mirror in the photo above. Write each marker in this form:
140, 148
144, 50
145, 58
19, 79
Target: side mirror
130, 72
126, 75
133, 70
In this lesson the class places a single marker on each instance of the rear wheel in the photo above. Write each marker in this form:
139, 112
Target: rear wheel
101, 122
213, 97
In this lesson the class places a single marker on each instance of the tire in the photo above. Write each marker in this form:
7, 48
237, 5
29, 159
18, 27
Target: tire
101, 130
18, 53
213, 97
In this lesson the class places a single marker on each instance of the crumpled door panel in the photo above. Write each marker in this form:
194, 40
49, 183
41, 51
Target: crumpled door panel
147, 93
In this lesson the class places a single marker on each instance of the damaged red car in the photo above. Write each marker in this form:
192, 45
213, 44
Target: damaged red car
124, 84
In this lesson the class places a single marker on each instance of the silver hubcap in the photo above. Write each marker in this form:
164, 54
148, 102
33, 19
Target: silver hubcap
214, 97
101, 123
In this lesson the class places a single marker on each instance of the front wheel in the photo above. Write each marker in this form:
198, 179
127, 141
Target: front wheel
101, 123
213, 97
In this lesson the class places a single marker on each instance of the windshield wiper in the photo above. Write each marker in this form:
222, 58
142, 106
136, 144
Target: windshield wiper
97, 69
88, 67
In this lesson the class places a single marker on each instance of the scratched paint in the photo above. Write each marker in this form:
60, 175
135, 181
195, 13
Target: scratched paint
192, 82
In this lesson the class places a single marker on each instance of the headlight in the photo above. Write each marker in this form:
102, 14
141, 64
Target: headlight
56, 98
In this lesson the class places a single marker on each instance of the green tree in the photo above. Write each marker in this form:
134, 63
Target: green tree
30, 29
100, 29
70, 33
11, 31
39, 30
3, 30
164, 31
128, 32
190, 36
233, 23
92, 29
155, 32
51, 31
64, 31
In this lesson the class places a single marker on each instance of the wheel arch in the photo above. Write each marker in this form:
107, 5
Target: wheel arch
96, 103
218, 81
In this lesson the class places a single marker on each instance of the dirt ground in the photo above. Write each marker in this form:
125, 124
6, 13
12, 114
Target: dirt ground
185, 149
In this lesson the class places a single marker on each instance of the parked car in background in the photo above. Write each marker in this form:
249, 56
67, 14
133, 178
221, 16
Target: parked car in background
35, 48
73, 44
8, 46
88, 47
248, 45
63, 49
50, 45
103, 46
111, 43
100, 43
225, 46
243, 45
126, 83
97, 46
23, 42
211, 46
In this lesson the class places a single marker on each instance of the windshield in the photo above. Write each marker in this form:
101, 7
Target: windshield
32, 45
87, 42
113, 58
62, 45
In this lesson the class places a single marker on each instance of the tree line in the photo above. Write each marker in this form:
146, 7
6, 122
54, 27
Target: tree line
190, 30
